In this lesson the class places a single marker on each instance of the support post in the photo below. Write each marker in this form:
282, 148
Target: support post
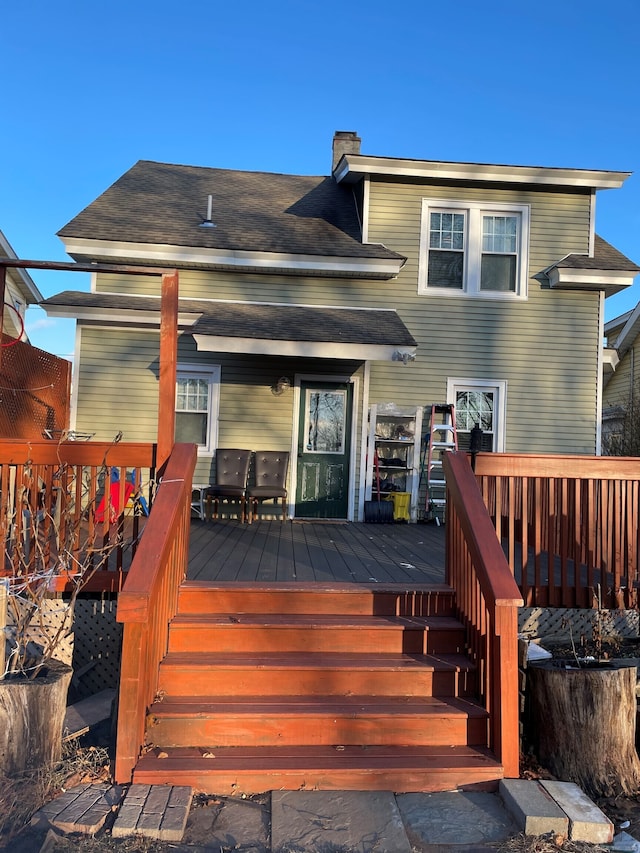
168, 367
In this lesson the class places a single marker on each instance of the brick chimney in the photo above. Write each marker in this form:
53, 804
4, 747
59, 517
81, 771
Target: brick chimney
344, 142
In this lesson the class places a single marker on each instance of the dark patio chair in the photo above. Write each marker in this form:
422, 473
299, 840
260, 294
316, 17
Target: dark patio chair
232, 471
271, 474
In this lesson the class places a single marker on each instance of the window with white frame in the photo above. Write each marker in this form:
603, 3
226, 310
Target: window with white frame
474, 249
483, 403
197, 398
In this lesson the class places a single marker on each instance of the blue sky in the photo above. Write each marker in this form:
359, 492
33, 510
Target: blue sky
88, 89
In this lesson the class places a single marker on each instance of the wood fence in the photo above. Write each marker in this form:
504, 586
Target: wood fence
66, 505
568, 526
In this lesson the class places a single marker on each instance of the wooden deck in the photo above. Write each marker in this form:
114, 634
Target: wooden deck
324, 552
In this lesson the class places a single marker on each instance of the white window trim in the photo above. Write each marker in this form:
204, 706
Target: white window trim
210, 372
499, 387
473, 248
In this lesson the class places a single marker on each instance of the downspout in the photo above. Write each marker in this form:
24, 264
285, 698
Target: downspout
599, 375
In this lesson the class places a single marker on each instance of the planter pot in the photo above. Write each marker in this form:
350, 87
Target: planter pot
583, 724
31, 719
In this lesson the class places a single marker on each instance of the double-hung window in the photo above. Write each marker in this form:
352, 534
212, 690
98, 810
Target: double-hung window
474, 249
197, 394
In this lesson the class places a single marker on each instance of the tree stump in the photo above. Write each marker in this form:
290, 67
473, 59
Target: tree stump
31, 719
583, 722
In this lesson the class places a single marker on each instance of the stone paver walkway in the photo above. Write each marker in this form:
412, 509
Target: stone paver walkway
321, 821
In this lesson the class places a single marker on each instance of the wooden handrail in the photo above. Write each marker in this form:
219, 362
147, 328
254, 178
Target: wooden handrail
148, 602
487, 599
568, 526
556, 465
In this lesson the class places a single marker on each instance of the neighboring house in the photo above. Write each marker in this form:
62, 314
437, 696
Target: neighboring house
390, 281
20, 291
621, 395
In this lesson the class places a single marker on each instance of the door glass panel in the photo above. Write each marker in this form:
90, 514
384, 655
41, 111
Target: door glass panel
325, 421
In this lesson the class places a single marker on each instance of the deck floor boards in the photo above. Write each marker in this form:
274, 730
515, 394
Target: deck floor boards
322, 552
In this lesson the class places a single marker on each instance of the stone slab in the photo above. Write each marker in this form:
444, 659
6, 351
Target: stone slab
154, 811
229, 824
81, 716
586, 821
455, 817
337, 820
82, 809
533, 808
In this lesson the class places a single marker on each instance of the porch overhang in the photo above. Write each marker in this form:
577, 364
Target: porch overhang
255, 328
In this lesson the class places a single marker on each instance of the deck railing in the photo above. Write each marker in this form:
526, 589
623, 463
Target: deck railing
58, 495
487, 600
149, 602
568, 526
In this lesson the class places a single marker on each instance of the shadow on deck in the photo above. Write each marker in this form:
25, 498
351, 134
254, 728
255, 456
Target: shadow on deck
322, 552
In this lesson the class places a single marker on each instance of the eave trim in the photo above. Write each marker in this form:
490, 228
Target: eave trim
166, 254
353, 166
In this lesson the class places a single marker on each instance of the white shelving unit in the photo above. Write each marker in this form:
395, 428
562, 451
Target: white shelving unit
395, 434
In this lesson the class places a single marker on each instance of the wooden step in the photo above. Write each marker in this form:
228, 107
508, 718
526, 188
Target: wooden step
313, 598
315, 633
252, 770
315, 721
274, 673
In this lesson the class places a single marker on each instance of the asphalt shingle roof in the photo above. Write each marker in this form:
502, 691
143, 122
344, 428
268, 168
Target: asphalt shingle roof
605, 257
262, 321
161, 203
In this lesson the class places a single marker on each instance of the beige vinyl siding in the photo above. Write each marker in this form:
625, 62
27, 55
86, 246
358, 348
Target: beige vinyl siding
117, 383
544, 347
118, 391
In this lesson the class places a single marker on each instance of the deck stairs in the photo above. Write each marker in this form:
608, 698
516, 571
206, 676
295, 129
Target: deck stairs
306, 686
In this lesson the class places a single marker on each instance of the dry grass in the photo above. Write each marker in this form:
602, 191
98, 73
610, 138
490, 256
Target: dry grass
21, 796
549, 843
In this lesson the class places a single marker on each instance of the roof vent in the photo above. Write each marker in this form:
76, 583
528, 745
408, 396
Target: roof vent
207, 223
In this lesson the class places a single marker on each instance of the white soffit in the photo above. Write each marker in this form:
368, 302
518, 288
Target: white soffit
300, 349
611, 281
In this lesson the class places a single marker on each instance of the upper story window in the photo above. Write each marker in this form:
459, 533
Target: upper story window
197, 393
474, 249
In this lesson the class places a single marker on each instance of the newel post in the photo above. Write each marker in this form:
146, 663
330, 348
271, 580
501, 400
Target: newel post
168, 367
505, 686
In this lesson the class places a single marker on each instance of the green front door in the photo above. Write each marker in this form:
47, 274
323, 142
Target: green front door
324, 446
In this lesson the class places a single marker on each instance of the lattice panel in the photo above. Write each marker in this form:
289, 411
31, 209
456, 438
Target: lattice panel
55, 618
34, 391
97, 648
558, 624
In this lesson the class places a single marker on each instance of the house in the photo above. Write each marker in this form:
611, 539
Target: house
20, 291
620, 395
305, 301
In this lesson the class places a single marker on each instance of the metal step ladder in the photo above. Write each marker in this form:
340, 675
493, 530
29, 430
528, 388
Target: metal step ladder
441, 437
